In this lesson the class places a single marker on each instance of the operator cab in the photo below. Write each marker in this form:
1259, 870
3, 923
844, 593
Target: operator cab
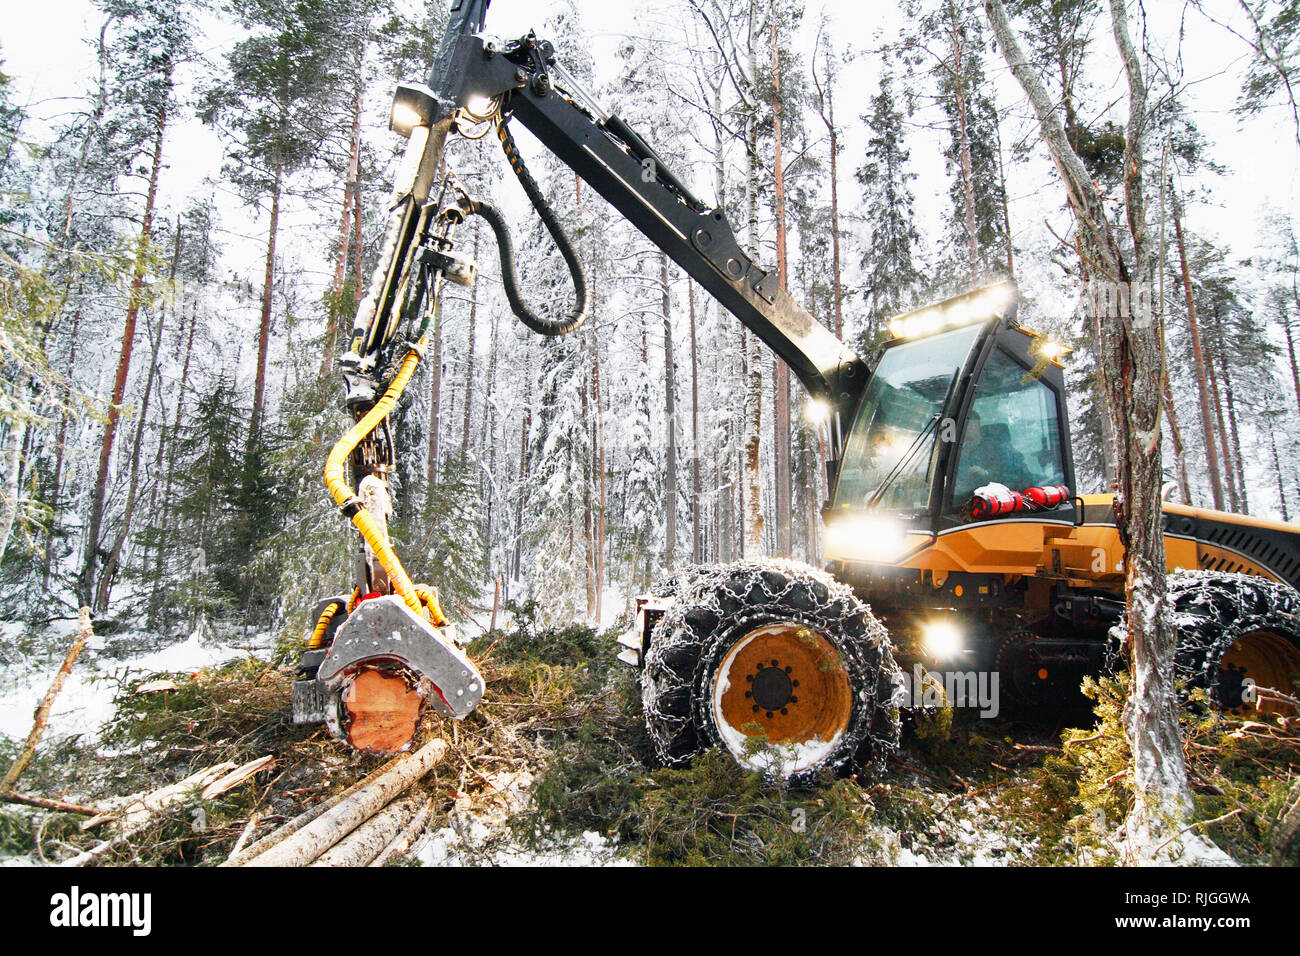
962, 398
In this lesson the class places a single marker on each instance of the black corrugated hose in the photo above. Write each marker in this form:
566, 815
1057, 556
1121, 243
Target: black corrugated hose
509, 277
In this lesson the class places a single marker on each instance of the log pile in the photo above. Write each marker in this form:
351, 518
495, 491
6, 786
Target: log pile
358, 826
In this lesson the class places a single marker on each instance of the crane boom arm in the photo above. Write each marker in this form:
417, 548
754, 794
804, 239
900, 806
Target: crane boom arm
527, 83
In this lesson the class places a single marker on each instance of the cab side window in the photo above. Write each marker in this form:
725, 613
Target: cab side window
1012, 435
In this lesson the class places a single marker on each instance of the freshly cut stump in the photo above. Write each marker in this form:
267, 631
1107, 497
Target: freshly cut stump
382, 712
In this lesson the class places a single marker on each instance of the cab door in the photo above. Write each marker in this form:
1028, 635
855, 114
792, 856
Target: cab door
1013, 427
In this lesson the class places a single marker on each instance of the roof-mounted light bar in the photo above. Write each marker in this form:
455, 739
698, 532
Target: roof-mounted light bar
995, 301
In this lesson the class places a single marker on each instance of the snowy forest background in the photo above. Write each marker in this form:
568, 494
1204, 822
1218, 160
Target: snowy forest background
183, 230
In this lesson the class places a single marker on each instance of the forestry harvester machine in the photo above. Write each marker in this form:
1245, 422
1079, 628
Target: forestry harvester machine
952, 515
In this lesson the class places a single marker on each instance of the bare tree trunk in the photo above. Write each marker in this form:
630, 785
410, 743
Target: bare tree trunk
264, 331
1229, 479
133, 482
780, 371
696, 553
588, 511
176, 425
600, 471
1006, 204
358, 251
1277, 470
752, 488
435, 407
469, 356
351, 187
963, 143
1236, 465
1198, 357
523, 463
56, 483
1176, 438
13, 457
670, 412
1290, 351
43, 709
114, 555
91, 561
828, 118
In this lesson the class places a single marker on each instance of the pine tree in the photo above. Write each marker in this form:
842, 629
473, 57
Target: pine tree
949, 45
150, 42
890, 268
271, 102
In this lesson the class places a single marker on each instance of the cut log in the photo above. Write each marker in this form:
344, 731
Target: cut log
322, 833
367, 841
244, 834
383, 711
134, 817
237, 776
406, 839
84, 633
307, 816
139, 809
157, 686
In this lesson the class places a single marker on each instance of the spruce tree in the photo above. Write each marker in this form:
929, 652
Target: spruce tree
891, 270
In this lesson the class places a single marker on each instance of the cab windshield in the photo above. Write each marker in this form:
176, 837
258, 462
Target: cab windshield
889, 456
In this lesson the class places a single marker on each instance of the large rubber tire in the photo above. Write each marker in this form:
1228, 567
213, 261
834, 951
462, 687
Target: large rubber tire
777, 651
1234, 628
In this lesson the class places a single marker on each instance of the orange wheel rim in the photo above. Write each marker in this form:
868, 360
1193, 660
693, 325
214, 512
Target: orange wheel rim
1268, 661
788, 684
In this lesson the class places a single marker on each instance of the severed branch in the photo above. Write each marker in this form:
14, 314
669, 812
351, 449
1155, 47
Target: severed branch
42, 714
9, 796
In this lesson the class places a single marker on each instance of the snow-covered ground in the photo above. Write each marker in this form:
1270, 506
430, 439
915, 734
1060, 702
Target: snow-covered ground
478, 833
85, 703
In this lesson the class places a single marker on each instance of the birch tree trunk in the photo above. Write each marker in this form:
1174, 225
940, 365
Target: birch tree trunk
1131, 361
780, 371
1198, 358
670, 414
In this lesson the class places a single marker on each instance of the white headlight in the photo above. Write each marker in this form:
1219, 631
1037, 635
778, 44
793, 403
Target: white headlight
480, 107
404, 119
816, 411
871, 538
942, 638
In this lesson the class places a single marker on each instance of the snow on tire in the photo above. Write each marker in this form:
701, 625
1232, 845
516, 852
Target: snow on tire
778, 664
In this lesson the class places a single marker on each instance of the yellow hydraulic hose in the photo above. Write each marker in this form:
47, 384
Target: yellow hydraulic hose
346, 499
430, 598
318, 635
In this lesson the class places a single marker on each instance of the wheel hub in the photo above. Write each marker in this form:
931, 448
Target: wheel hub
772, 688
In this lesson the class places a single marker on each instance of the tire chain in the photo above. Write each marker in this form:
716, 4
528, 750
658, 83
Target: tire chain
1209, 610
716, 601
